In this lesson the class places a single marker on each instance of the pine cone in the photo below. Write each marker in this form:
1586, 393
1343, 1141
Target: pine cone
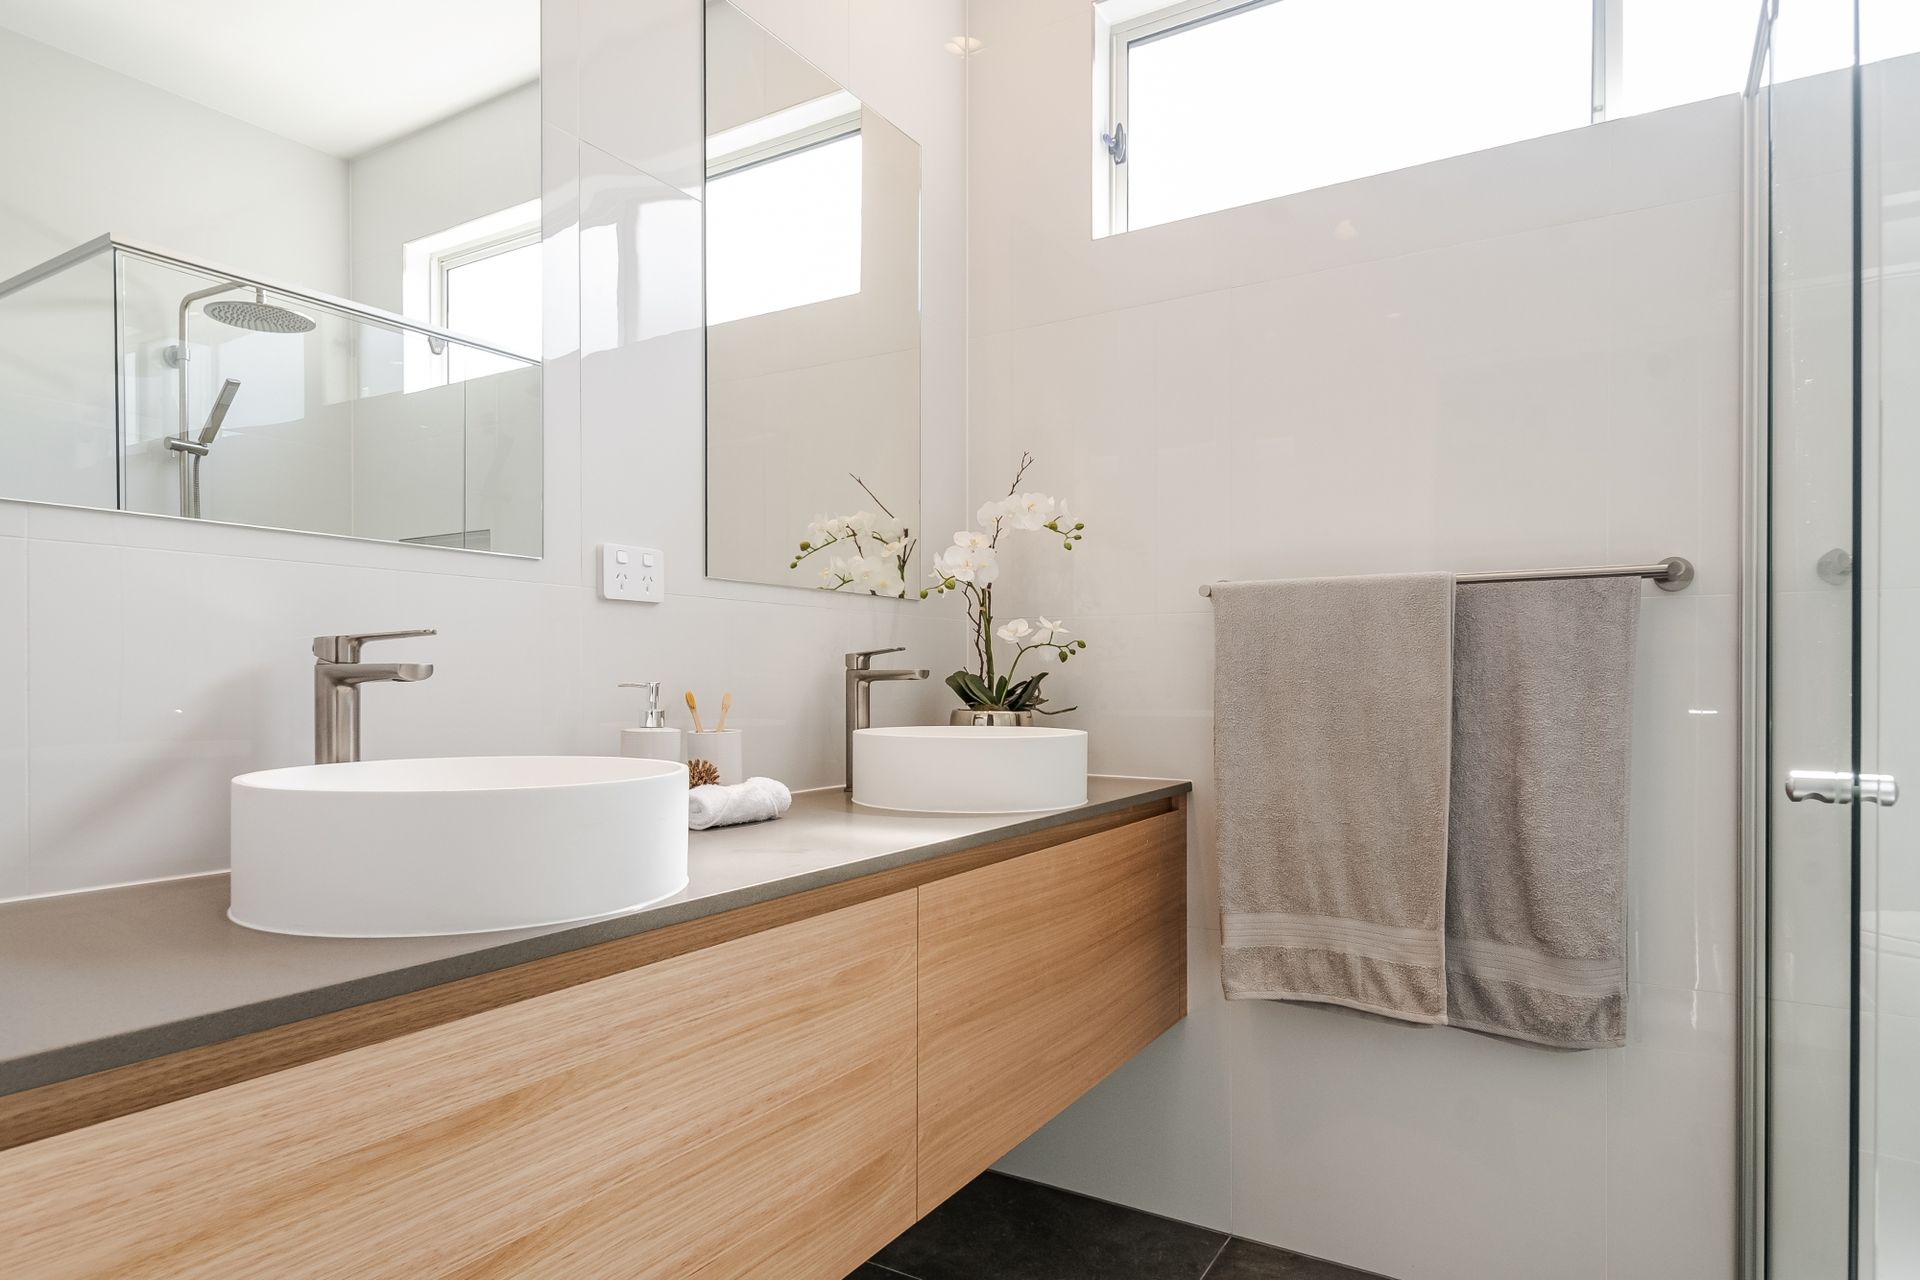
702, 773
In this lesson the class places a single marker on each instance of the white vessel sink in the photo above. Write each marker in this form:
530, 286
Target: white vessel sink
406, 848
969, 769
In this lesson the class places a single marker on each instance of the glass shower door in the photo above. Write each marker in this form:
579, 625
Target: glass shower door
1843, 597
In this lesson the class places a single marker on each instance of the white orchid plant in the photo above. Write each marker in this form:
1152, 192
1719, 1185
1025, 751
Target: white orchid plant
970, 566
875, 550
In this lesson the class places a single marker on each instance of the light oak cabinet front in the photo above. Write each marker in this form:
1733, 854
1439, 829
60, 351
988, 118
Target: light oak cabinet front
780, 1104
1038, 977
745, 1110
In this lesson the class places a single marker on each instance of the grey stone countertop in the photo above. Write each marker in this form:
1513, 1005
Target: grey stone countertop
90, 981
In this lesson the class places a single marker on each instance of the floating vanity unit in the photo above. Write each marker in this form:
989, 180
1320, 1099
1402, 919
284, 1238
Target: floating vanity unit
843, 1018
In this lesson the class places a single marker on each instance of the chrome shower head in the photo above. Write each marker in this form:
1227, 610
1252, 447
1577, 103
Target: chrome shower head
259, 315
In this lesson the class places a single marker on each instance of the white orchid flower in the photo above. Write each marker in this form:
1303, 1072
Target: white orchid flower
860, 523
876, 574
972, 540
1015, 630
1050, 631
999, 509
826, 528
969, 564
1030, 510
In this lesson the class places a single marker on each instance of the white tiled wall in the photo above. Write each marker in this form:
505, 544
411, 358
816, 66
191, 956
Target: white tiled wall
1527, 356
143, 660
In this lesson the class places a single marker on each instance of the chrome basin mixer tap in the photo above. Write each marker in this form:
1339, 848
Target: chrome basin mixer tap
338, 674
860, 678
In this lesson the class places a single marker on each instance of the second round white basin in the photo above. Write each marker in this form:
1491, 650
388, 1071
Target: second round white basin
970, 769
405, 848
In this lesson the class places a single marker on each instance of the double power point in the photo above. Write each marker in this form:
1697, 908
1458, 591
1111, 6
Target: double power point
633, 573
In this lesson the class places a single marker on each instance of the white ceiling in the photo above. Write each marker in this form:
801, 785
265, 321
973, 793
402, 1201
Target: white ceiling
341, 76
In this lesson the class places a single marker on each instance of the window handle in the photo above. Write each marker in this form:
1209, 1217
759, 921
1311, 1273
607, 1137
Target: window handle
1116, 143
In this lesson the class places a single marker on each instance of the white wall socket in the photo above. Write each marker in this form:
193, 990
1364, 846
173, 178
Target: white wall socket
633, 573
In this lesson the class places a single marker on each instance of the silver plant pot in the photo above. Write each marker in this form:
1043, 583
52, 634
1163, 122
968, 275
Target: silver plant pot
1001, 719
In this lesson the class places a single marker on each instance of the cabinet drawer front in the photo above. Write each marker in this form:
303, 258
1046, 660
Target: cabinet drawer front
1038, 977
745, 1110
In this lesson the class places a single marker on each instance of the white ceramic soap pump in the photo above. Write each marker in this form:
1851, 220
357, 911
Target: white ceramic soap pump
655, 739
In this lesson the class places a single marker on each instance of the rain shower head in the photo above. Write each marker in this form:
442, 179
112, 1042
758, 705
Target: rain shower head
259, 315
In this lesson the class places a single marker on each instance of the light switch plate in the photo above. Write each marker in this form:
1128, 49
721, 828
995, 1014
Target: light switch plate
632, 573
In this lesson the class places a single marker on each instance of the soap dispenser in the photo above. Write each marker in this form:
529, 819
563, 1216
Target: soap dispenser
655, 739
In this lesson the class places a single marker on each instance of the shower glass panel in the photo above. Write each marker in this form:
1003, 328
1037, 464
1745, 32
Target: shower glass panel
57, 385
1839, 108
160, 386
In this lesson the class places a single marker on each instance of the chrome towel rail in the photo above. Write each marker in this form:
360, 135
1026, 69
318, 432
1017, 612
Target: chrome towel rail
1675, 573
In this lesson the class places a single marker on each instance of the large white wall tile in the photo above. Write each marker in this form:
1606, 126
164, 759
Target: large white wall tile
1395, 1149
1671, 1190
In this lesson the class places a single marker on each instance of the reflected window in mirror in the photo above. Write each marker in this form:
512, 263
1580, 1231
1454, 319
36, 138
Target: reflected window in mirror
783, 210
481, 279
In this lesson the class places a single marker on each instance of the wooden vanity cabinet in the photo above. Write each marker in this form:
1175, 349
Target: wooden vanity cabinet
777, 1104
1039, 976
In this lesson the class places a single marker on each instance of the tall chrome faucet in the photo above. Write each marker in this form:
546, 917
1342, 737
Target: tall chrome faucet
860, 678
338, 674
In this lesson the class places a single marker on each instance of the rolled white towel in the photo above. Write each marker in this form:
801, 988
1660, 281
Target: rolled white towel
755, 800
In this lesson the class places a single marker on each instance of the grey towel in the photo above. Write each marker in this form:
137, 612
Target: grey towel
1332, 700
1537, 845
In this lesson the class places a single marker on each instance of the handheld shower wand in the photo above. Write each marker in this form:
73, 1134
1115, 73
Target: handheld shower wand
203, 445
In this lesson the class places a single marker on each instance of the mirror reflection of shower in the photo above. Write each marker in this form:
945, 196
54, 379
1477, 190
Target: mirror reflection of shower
255, 316
192, 451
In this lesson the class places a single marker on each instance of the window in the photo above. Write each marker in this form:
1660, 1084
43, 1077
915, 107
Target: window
1227, 103
493, 294
783, 210
1208, 104
480, 279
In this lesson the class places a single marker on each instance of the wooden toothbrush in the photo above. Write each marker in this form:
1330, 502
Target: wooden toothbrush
726, 705
693, 708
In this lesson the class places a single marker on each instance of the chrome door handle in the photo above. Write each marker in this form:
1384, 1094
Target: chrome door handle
1843, 788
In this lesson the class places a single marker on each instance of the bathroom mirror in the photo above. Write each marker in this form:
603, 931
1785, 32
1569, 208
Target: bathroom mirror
276, 265
813, 324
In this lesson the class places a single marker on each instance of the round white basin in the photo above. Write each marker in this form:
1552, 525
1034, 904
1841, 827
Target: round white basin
406, 848
970, 769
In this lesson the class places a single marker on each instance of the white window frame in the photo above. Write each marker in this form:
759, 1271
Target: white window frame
444, 260
425, 360
798, 129
1120, 24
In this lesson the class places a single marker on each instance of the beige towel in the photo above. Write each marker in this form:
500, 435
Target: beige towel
1332, 699
1537, 880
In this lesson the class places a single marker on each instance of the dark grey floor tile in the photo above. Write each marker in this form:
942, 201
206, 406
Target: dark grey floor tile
998, 1228
868, 1271
1245, 1260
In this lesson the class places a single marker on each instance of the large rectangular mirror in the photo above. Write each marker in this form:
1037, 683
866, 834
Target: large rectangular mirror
277, 265
813, 324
